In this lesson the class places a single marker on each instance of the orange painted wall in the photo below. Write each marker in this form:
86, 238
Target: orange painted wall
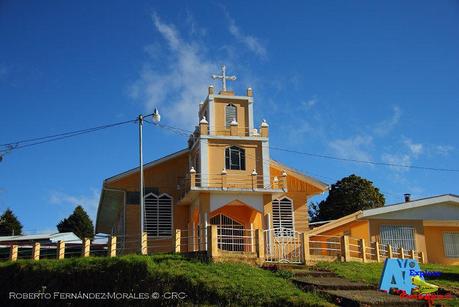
240, 213
218, 123
434, 244
165, 177
216, 162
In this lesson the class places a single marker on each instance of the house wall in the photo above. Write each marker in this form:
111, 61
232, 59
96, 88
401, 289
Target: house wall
218, 124
356, 229
435, 246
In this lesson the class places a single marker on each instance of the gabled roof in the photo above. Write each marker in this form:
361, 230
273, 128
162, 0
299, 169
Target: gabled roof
315, 182
412, 204
362, 214
147, 165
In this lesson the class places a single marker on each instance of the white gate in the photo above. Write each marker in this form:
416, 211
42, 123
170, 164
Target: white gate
283, 245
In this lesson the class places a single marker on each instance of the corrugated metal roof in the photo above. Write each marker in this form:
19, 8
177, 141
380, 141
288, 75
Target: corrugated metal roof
52, 237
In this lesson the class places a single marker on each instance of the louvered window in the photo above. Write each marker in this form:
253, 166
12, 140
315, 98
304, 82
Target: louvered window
235, 158
283, 217
451, 244
231, 113
398, 236
158, 215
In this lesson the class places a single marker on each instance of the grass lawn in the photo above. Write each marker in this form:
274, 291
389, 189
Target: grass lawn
371, 272
203, 283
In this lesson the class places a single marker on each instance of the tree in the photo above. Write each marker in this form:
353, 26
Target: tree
347, 196
79, 223
9, 224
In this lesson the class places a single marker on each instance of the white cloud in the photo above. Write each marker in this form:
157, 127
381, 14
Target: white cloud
251, 42
356, 147
399, 159
308, 104
384, 127
415, 148
443, 150
180, 84
88, 202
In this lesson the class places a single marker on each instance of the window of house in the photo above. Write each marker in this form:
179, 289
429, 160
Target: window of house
398, 236
230, 114
283, 217
158, 215
451, 244
235, 158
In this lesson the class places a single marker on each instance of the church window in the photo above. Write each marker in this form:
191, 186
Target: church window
231, 113
158, 215
283, 217
235, 158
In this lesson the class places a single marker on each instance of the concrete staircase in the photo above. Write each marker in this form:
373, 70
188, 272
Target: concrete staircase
343, 292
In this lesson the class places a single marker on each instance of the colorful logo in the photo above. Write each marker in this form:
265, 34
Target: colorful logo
396, 274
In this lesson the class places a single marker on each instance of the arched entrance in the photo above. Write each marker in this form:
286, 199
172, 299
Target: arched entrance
230, 232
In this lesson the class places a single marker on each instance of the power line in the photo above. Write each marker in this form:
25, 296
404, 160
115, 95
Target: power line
366, 161
8, 147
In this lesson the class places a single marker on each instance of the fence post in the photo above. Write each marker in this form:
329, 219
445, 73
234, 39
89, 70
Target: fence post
253, 243
423, 257
401, 251
345, 252
36, 251
13, 252
212, 241
260, 244
86, 247
389, 251
412, 254
363, 250
144, 244
305, 247
112, 246
378, 256
60, 249
177, 240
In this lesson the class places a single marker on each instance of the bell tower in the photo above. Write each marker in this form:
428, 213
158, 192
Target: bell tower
227, 144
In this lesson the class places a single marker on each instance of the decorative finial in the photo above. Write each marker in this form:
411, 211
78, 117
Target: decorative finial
203, 120
224, 77
264, 123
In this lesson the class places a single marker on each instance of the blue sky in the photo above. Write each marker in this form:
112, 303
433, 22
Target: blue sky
354, 79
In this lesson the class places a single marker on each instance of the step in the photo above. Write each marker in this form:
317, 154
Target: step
301, 273
368, 298
329, 283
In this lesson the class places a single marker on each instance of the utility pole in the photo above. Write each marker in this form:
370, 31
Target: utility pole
140, 119
156, 118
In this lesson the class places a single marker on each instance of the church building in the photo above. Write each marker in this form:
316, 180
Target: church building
224, 176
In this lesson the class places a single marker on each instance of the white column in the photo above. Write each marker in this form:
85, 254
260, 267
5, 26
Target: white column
266, 162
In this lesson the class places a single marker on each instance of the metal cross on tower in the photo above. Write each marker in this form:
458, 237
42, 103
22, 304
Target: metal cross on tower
224, 77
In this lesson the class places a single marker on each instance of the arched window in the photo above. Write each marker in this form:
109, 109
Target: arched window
230, 114
235, 158
283, 217
158, 215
